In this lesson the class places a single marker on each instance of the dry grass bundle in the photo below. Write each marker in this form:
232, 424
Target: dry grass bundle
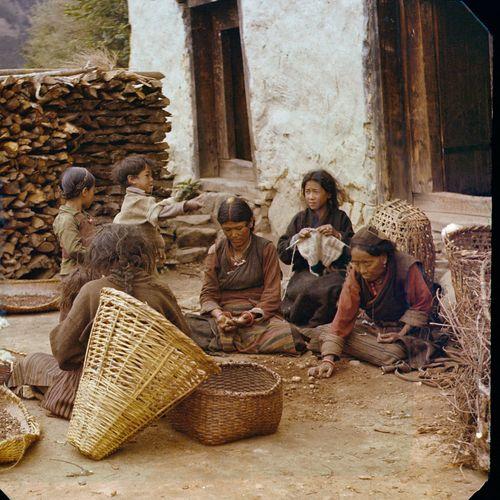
468, 393
101, 58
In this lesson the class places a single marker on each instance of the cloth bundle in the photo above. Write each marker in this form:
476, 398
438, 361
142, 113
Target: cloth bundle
318, 248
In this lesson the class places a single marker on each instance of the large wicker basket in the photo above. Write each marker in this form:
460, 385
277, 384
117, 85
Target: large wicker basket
468, 249
137, 365
244, 400
12, 448
410, 229
29, 296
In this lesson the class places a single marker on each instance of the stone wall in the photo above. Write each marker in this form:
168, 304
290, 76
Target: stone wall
306, 89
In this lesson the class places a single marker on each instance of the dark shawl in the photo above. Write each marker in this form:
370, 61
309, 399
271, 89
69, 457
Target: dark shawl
337, 218
247, 275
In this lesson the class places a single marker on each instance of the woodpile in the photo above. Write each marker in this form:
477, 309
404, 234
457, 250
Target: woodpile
50, 121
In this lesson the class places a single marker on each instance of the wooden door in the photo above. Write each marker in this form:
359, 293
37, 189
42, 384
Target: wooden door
464, 79
435, 75
222, 116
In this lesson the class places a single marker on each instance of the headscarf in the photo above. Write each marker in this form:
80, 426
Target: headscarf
368, 237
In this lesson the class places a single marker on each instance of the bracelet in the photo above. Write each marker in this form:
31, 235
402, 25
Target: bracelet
324, 360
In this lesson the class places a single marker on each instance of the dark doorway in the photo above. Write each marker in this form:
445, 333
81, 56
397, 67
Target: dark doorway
236, 107
464, 77
435, 72
222, 117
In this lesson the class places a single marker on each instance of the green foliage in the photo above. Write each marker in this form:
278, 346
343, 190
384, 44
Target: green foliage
186, 190
61, 29
107, 25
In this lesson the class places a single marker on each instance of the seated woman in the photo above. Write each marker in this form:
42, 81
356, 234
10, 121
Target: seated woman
241, 293
127, 260
389, 287
310, 300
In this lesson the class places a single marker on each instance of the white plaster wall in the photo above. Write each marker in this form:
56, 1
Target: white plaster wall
305, 88
306, 91
161, 42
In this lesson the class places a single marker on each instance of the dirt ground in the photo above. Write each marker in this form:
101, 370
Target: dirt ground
356, 435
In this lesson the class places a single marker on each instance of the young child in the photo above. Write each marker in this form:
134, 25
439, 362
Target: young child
139, 207
73, 227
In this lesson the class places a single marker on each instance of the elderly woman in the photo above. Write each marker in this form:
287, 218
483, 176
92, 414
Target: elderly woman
241, 293
389, 287
127, 260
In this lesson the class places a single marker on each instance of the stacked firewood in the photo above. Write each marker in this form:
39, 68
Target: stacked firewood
50, 121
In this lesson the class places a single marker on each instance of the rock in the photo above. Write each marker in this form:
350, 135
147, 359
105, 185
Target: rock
357, 215
262, 224
192, 220
185, 255
354, 362
367, 213
312, 379
285, 203
212, 201
312, 386
296, 379
195, 236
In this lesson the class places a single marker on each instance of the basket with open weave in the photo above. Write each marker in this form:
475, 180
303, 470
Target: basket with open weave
467, 249
14, 445
244, 400
137, 365
410, 230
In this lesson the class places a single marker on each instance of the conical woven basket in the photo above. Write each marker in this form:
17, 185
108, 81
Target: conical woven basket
12, 449
467, 249
410, 230
137, 365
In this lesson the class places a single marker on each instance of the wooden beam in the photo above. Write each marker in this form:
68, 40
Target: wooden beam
390, 27
373, 81
454, 203
73, 71
198, 3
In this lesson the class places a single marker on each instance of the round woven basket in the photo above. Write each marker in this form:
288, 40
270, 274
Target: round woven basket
244, 400
29, 296
12, 449
467, 249
137, 365
410, 230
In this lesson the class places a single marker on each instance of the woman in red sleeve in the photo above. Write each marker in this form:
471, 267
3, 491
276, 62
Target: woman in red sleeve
389, 288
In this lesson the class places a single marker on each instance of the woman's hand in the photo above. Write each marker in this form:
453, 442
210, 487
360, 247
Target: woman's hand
324, 369
245, 319
224, 319
329, 230
305, 232
390, 337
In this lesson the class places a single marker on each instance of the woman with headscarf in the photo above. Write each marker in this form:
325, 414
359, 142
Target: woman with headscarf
241, 293
389, 288
312, 292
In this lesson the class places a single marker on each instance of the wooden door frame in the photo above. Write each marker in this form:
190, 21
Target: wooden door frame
218, 102
384, 68
406, 111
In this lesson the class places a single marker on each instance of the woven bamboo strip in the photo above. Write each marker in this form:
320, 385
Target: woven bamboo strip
13, 448
244, 400
137, 366
410, 230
